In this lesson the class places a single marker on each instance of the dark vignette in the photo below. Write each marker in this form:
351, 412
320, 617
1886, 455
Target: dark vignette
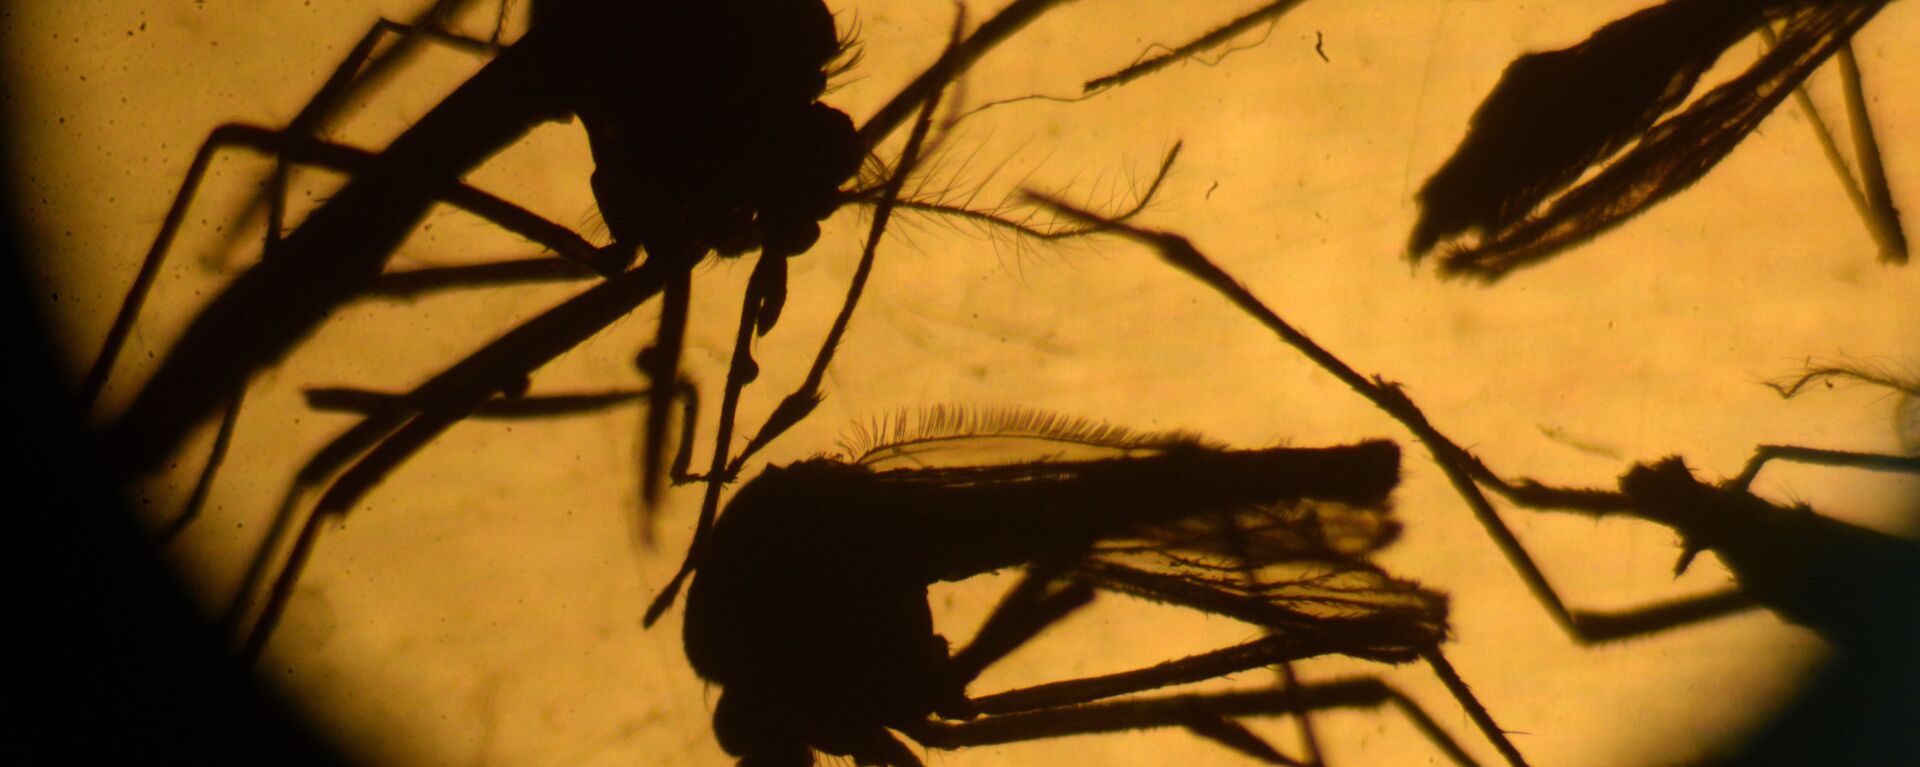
111, 663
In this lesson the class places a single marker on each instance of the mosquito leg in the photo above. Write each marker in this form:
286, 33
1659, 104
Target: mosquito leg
1451, 458
1246, 656
952, 62
501, 365
257, 318
367, 403
741, 370
1597, 626
1730, 520
1822, 457
1289, 680
1874, 202
660, 363
303, 123
1026, 610
508, 215
1309, 737
496, 210
680, 471
1463, 470
296, 563
1475, 711
362, 69
1824, 135
1885, 221
216, 456
801, 402
1609, 626
411, 284
340, 399
309, 121
795, 406
289, 147
387, 438
1203, 713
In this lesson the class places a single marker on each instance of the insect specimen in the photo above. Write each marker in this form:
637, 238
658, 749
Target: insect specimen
810, 605
1828, 575
1553, 115
1811, 570
1853, 585
675, 189
666, 187
1752, 531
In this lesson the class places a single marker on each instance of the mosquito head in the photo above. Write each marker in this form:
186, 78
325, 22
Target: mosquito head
706, 131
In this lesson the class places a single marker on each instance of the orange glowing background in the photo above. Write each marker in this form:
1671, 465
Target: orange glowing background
484, 606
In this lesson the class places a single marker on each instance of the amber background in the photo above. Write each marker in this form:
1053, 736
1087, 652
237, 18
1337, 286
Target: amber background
484, 606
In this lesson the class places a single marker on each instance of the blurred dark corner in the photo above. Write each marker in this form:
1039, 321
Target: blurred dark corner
1862, 709
113, 664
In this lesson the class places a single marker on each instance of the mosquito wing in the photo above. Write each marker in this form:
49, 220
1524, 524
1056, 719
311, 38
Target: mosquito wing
1485, 187
975, 492
1277, 537
1299, 569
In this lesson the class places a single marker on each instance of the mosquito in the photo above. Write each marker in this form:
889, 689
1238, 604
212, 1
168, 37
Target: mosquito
1836, 578
341, 248
1659, 493
1555, 115
1809, 569
777, 170
809, 607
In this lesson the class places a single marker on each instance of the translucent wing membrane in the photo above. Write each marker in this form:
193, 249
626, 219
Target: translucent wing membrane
1293, 567
1351, 608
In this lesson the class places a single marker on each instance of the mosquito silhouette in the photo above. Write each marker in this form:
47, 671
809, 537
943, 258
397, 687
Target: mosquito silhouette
672, 190
1726, 518
771, 65
680, 200
1555, 115
810, 608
